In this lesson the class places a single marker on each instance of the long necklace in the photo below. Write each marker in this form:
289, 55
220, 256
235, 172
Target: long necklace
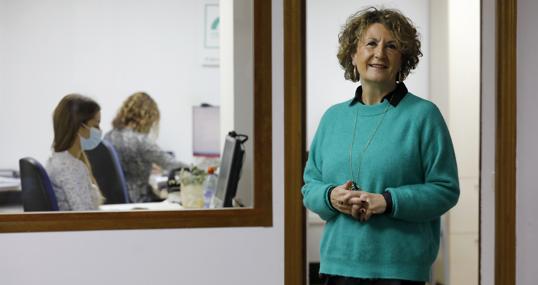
354, 185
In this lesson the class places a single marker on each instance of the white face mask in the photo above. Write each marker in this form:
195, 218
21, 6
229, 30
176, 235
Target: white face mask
93, 141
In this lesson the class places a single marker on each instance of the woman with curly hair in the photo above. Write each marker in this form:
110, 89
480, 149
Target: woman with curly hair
381, 169
136, 119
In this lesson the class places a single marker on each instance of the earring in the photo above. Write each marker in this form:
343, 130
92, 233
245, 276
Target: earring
399, 77
355, 73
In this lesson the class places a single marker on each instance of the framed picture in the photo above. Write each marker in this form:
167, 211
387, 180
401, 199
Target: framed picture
210, 57
212, 26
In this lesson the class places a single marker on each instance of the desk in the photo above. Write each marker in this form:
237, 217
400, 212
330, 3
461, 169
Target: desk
10, 184
171, 203
156, 206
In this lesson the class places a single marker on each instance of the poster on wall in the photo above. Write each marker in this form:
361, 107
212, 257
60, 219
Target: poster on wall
210, 56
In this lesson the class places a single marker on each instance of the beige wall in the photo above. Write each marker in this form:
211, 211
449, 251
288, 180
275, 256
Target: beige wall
464, 124
487, 147
527, 140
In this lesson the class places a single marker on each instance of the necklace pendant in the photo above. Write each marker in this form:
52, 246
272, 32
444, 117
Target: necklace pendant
354, 187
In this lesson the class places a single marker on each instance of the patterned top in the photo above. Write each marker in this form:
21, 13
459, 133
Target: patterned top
137, 153
72, 184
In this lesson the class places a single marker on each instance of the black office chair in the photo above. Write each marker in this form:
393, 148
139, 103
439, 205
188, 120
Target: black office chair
37, 191
107, 170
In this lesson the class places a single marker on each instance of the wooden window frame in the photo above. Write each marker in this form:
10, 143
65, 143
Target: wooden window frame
259, 215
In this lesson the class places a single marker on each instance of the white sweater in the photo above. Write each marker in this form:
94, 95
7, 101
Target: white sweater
72, 183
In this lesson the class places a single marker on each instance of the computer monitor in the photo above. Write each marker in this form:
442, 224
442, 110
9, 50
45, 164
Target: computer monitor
230, 170
206, 131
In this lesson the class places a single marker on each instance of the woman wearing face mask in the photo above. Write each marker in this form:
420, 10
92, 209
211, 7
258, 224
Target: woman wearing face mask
133, 136
76, 129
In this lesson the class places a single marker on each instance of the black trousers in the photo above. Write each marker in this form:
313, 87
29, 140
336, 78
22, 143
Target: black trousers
340, 280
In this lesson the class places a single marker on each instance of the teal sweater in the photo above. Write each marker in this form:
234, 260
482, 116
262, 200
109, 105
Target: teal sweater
412, 157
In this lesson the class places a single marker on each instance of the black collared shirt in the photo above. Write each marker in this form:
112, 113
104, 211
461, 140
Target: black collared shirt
397, 95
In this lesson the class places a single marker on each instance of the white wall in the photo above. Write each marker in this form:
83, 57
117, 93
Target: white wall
527, 140
326, 85
3, 116
487, 147
439, 55
186, 256
106, 50
455, 89
237, 77
464, 124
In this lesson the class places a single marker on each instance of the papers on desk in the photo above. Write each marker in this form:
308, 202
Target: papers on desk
9, 173
156, 206
10, 184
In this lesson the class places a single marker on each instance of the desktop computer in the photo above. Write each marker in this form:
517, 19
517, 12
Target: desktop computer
231, 164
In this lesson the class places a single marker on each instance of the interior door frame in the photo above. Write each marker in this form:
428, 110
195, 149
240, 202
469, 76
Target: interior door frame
295, 141
505, 141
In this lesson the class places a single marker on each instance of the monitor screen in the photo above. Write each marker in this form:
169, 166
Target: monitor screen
206, 131
229, 172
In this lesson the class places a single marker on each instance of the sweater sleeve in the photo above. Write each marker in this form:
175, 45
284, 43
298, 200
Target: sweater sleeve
440, 190
153, 153
315, 190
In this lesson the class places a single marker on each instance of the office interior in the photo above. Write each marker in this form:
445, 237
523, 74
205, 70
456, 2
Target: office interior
204, 255
107, 52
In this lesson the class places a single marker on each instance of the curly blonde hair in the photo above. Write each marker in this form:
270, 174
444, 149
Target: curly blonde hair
401, 27
139, 112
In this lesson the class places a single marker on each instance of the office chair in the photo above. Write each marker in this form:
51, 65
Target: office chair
37, 191
107, 170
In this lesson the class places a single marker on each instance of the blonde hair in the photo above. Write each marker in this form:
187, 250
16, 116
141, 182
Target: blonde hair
400, 26
139, 112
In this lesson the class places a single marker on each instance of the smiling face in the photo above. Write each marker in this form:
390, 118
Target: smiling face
378, 58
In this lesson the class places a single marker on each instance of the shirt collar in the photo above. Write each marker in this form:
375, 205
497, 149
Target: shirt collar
394, 97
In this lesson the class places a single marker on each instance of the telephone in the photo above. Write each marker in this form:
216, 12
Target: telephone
173, 184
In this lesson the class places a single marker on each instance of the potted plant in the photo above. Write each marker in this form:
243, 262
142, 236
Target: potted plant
192, 187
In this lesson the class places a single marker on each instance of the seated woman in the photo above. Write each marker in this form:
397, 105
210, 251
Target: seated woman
138, 152
76, 128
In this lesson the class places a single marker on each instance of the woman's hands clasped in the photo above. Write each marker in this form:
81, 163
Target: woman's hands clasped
340, 196
361, 205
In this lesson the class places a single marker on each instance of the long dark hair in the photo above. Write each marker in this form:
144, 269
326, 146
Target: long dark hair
72, 111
